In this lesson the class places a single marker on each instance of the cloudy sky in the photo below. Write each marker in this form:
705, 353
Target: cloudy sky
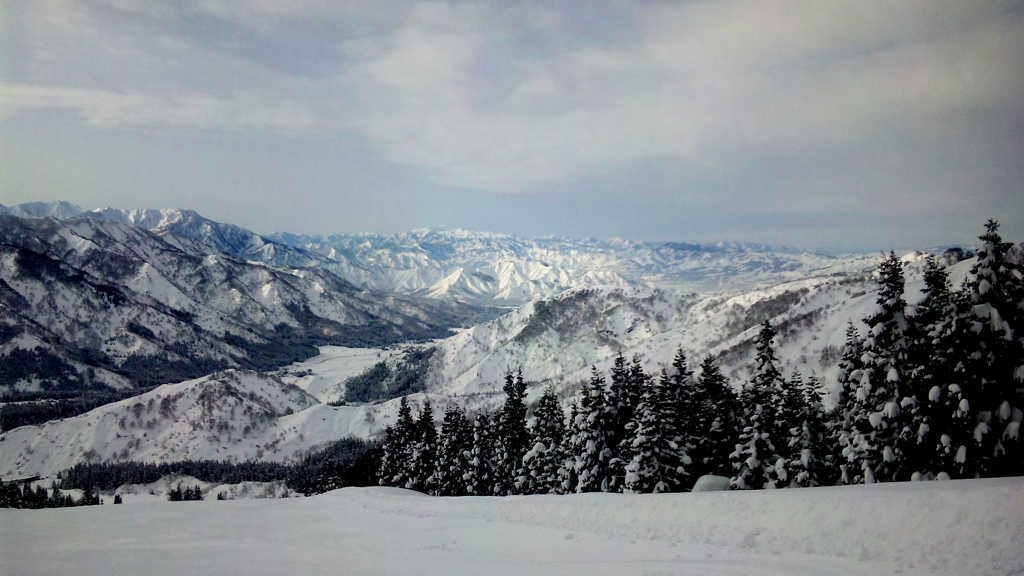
839, 126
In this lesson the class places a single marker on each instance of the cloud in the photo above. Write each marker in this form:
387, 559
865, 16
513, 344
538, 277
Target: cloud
702, 83
109, 110
811, 107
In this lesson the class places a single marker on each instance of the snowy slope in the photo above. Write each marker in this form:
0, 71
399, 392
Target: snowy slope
323, 376
234, 415
558, 340
100, 293
912, 529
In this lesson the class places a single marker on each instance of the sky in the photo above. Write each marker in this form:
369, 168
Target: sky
839, 126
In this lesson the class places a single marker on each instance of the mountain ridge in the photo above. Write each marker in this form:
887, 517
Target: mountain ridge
492, 269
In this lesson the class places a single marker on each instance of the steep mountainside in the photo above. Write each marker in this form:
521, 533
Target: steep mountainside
85, 302
227, 238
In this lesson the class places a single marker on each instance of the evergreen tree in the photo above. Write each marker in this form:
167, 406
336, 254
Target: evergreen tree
935, 331
423, 456
539, 473
720, 419
681, 390
480, 475
849, 419
588, 450
398, 442
622, 397
567, 478
453, 453
755, 457
886, 382
659, 456
807, 462
992, 370
513, 438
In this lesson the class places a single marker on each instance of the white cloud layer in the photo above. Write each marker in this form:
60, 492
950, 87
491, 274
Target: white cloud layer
902, 101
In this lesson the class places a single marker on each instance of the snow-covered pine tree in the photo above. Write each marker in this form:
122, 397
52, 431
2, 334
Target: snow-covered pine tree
423, 456
513, 438
850, 416
722, 417
539, 472
789, 421
394, 470
992, 371
479, 477
681, 391
887, 369
622, 397
453, 452
807, 459
934, 330
567, 478
756, 454
588, 451
659, 457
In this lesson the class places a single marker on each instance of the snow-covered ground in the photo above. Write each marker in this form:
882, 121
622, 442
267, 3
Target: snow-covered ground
962, 527
324, 375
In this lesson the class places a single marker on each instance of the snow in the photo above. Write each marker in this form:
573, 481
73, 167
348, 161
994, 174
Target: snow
234, 415
323, 375
156, 492
711, 483
914, 529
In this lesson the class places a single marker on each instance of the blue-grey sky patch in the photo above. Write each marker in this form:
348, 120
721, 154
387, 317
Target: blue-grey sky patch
842, 126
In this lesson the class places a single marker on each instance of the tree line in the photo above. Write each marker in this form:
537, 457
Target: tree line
932, 391
187, 494
345, 462
23, 495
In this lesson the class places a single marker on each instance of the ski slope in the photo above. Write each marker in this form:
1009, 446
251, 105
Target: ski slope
936, 528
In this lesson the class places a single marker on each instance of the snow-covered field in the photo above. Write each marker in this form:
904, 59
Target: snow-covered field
970, 527
324, 375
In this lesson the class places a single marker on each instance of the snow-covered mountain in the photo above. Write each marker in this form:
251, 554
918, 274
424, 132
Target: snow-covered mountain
227, 238
187, 224
499, 268
233, 415
57, 209
487, 268
87, 301
555, 343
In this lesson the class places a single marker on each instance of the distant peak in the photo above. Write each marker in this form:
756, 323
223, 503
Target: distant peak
58, 209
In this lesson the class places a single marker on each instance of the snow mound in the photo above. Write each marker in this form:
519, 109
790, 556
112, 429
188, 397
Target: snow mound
711, 483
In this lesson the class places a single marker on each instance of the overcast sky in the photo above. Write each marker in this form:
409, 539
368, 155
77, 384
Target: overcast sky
840, 126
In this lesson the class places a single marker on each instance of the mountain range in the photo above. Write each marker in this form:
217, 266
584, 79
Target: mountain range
485, 268
88, 302
127, 300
